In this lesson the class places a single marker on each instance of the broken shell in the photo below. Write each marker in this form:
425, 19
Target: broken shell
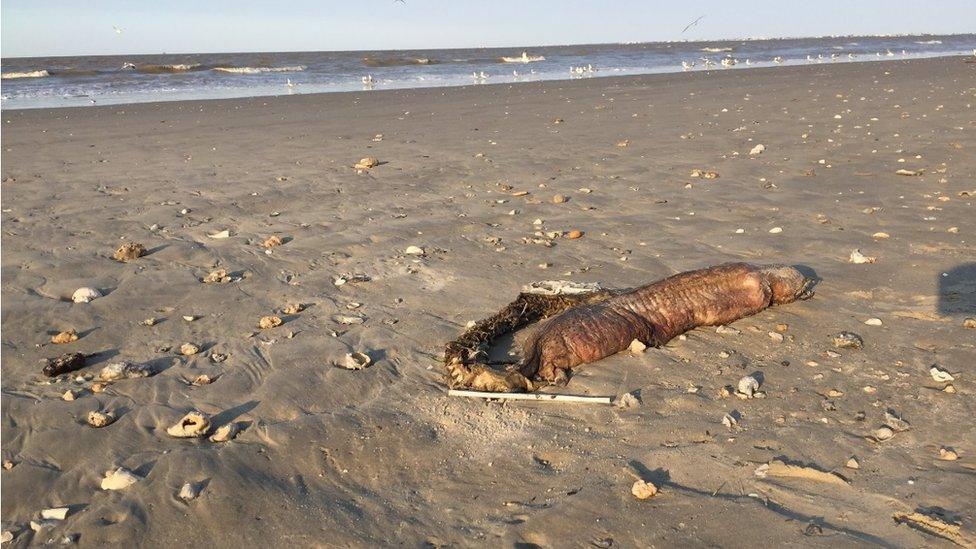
880, 235
220, 235
637, 346
68, 395
350, 319
969, 323
190, 318
202, 379
356, 361
149, 322
124, 370
188, 349
119, 478
896, 423
272, 241
852, 463
225, 433
909, 172
574, 234
218, 276
85, 295
56, 513
873, 322
758, 149
627, 400
63, 364
776, 230
643, 490
189, 491
366, 163
129, 251
100, 419
66, 336
414, 250
98, 387
268, 322
559, 199
948, 454
940, 375
858, 258
293, 308
193, 424
848, 340
747, 386
883, 433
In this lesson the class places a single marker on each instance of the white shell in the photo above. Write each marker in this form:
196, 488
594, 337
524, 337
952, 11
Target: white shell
193, 424
758, 149
748, 386
940, 375
85, 295
57, 513
189, 491
356, 361
414, 250
118, 479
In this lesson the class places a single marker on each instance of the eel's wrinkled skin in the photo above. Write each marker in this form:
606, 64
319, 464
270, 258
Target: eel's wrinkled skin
591, 327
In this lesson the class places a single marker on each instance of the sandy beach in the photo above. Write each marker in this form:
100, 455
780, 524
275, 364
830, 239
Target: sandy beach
330, 457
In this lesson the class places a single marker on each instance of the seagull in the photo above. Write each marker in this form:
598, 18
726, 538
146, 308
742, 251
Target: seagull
777, 59
748, 62
368, 81
692, 24
889, 53
515, 74
850, 56
117, 29
687, 66
289, 83
482, 75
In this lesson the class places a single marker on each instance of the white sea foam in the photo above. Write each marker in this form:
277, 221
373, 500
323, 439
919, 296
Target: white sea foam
928, 42
25, 74
259, 70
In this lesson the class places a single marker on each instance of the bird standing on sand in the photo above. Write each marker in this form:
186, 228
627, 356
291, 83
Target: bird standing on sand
777, 59
687, 66
288, 83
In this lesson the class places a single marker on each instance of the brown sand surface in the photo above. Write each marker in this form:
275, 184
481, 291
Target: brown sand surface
381, 456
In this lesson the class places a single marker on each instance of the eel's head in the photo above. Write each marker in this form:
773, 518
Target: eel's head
788, 284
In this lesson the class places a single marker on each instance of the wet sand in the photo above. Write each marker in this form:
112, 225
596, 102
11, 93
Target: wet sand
381, 456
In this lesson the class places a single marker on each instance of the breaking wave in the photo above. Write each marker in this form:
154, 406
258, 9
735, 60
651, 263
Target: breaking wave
163, 69
25, 74
258, 70
397, 61
928, 42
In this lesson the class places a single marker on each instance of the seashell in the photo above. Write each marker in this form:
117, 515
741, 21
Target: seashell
883, 433
940, 375
68, 362
356, 361
218, 276
188, 349
149, 322
189, 491
100, 419
129, 251
218, 357
366, 163
66, 336
225, 433
414, 250
637, 346
852, 463
268, 322
193, 424
85, 295
119, 479
220, 235
775, 230
643, 490
758, 149
858, 258
776, 336
68, 395
349, 319
55, 513
559, 199
124, 370
272, 241
727, 330
848, 340
880, 235
202, 379
574, 234
293, 308
190, 318
909, 172
747, 386
873, 322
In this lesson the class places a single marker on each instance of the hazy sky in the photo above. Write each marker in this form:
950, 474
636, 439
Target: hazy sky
77, 27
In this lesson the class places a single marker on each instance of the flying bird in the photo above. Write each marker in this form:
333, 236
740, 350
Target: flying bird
692, 24
117, 29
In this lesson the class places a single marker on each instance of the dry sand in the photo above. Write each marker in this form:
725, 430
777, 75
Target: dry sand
381, 456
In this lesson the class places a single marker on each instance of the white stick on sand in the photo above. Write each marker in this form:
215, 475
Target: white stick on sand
530, 396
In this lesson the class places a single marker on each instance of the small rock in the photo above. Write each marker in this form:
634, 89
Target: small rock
776, 336
775, 230
873, 322
366, 163
727, 330
68, 362
68, 395
355, 361
883, 433
119, 479
66, 336
574, 234
188, 349
559, 199
747, 386
100, 419
55, 513
858, 258
293, 308
948, 454
637, 346
273, 241
852, 463
758, 149
414, 250
848, 340
129, 251
268, 322
85, 295
218, 276
225, 433
950, 388
202, 379
124, 370
643, 490
193, 424
730, 420
189, 491
969, 323
627, 400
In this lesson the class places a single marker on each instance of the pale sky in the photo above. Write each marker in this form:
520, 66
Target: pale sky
84, 27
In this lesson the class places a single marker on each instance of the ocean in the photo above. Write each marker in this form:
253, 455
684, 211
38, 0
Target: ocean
103, 80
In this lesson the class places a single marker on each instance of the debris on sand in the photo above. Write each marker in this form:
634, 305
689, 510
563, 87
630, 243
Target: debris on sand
273, 241
627, 400
637, 347
848, 340
218, 276
777, 468
757, 150
349, 278
936, 527
268, 322
220, 235
704, 174
909, 172
119, 478
129, 251
643, 490
366, 163
100, 419
748, 387
193, 424
85, 295
189, 491
68, 362
574, 234
189, 349
124, 370
55, 513
225, 433
355, 361
414, 250
941, 375
858, 258
66, 336
293, 308
948, 454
